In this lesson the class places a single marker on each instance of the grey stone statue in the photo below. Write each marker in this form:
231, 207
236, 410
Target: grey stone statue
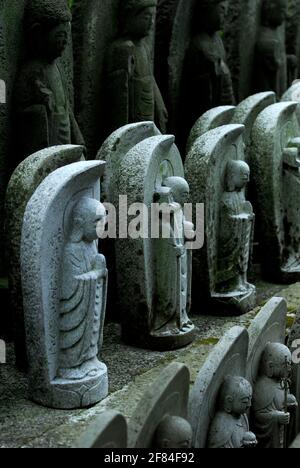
270, 57
83, 294
230, 426
45, 115
64, 282
272, 400
132, 92
173, 263
207, 79
173, 432
236, 228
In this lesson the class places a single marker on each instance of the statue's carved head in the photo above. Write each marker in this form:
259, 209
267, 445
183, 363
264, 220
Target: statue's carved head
173, 432
136, 17
276, 361
88, 220
274, 12
48, 27
180, 190
208, 16
235, 396
237, 176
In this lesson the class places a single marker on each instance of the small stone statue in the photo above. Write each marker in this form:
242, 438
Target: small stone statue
236, 228
173, 263
272, 401
230, 427
45, 115
271, 58
132, 92
207, 81
173, 433
82, 303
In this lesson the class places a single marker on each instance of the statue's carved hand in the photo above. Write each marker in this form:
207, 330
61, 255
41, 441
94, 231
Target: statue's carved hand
99, 262
283, 418
292, 402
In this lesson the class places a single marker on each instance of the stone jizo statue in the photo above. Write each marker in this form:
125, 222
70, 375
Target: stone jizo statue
236, 228
207, 81
272, 401
82, 295
271, 59
45, 116
173, 433
230, 427
173, 262
132, 92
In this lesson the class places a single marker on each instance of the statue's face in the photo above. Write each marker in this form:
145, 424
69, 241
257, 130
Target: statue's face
94, 222
181, 440
242, 403
276, 11
283, 366
57, 40
140, 24
241, 177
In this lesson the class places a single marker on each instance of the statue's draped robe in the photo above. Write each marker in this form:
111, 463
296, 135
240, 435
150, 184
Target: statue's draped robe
268, 398
171, 275
45, 116
234, 237
130, 84
81, 311
227, 431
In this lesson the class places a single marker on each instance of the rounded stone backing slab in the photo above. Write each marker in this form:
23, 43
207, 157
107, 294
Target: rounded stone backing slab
205, 172
117, 145
23, 183
109, 431
45, 228
271, 133
167, 396
216, 117
293, 94
228, 358
248, 110
269, 326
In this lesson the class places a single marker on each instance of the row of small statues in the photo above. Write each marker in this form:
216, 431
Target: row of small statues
45, 113
223, 406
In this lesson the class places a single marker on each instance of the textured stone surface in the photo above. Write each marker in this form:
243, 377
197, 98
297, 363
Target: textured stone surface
23, 183
228, 358
131, 371
59, 376
212, 182
212, 119
268, 326
108, 431
293, 94
11, 16
275, 174
167, 396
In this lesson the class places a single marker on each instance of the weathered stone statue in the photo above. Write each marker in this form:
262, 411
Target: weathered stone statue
230, 427
207, 79
109, 430
218, 175
83, 294
153, 271
159, 420
270, 70
272, 401
132, 92
64, 288
236, 228
221, 397
173, 263
274, 155
173, 433
44, 112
